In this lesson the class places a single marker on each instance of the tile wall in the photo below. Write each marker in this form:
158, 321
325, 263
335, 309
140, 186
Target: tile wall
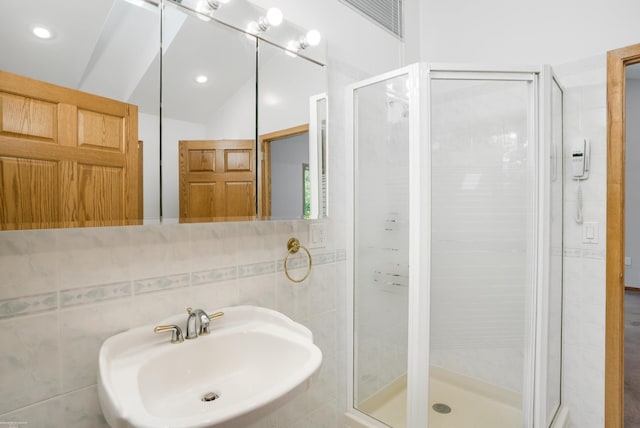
63, 292
583, 332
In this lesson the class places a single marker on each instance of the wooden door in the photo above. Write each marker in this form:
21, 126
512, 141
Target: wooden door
217, 180
67, 158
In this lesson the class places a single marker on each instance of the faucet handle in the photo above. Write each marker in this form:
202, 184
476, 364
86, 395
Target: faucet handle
176, 332
204, 328
216, 315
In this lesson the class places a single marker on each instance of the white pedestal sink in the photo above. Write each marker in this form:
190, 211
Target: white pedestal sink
253, 359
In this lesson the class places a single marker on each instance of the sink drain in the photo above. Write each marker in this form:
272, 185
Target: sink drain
441, 408
210, 396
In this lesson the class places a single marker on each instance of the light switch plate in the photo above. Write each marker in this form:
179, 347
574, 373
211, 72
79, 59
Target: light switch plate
317, 235
590, 232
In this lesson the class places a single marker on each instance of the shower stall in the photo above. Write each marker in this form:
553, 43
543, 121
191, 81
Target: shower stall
456, 248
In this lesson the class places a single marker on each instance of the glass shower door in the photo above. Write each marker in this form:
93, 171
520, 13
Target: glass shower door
381, 247
483, 246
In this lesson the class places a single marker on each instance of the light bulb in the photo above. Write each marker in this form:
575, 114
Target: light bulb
42, 33
274, 16
313, 37
202, 79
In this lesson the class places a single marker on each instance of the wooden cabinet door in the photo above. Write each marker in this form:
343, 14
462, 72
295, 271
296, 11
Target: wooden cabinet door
217, 180
67, 158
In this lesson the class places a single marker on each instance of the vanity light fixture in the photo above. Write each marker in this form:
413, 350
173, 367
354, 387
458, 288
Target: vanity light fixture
207, 7
312, 38
42, 33
273, 18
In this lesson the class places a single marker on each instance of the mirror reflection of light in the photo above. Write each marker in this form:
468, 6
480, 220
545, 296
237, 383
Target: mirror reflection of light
271, 99
42, 33
145, 4
252, 30
203, 8
292, 47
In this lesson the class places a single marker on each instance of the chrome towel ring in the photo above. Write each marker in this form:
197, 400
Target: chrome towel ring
293, 246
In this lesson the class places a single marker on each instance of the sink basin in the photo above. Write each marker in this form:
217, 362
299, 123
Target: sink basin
253, 358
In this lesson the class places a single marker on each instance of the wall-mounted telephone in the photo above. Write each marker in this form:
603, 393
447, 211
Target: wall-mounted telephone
580, 154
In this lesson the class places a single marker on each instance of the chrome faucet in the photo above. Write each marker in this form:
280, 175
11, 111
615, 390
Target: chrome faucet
197, 323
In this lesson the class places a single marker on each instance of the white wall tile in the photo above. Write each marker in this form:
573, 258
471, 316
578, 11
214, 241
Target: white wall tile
82, 331
29, 361
93, 256
27, 263
584, 265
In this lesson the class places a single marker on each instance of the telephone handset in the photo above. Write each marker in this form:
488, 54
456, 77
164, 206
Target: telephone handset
580, 154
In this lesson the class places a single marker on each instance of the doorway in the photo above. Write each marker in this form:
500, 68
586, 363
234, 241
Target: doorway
617, 62
284, 181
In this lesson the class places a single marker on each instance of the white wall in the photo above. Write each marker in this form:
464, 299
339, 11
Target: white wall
584, 264
507, 32
632, 196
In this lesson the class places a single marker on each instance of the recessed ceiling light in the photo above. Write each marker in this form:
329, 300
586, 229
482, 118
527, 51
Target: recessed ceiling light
42, 33
202, 79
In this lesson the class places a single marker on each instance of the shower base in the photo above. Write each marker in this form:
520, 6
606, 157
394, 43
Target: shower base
471, 403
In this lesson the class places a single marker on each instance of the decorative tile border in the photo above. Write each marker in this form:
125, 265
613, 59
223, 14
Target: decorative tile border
256, 269
28, 305
215, 275
119, 290
152, 285
597, 254
324, 258
94, 294
572, 252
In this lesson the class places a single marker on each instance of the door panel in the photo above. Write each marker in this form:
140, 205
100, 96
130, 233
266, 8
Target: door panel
69, 159
217, 180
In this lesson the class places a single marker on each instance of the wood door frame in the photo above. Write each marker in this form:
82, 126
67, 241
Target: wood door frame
617, 60
264, 166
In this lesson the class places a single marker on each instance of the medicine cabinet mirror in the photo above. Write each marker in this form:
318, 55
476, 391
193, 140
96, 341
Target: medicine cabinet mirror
84, 140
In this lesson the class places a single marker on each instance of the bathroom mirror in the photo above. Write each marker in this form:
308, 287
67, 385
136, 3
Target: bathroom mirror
69, 158
292, 117
110, 51
237, 117
208, 120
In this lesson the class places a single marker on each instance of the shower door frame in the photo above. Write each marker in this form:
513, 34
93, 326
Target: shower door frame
539, 131
413, 73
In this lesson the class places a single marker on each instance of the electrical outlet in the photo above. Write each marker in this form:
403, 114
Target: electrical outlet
317, 235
